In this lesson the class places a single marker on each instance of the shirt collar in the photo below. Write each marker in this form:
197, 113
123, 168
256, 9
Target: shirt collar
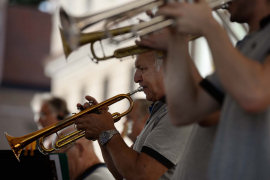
159, 102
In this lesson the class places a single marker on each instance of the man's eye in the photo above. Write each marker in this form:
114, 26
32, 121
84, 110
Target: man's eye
143, 69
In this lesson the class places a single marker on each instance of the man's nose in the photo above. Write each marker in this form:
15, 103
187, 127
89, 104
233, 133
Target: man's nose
137, 76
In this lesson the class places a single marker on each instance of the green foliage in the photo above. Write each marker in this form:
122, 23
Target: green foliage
25, 2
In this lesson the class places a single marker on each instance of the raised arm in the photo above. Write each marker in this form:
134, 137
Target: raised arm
187, 101
246, 80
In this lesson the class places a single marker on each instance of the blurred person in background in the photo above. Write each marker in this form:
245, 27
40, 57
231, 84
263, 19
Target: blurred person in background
83, 163
136, 119
50, 110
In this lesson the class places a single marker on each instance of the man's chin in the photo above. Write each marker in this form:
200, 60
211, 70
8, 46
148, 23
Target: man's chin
149, 98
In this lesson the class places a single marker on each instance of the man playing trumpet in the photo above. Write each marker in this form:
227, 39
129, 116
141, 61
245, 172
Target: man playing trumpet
159, 146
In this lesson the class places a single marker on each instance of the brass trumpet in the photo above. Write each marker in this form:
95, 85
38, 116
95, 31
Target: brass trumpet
17, 144
93, 37
72, 27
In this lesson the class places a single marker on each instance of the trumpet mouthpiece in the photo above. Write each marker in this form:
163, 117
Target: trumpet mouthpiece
140, 89
137, 90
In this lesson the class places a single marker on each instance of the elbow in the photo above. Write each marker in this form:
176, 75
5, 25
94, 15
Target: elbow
182, 121
139, 178
145, 172
180, 118
144, 176
181, 113
254, 102
135, 173
253, 107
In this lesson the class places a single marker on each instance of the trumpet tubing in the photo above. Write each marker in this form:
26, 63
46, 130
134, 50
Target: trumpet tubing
72, 41
68, 139
71, 27
17, 144
161, 22
130, 51
80, 23
69, 44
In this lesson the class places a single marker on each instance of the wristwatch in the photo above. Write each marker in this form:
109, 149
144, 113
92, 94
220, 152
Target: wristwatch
105, 136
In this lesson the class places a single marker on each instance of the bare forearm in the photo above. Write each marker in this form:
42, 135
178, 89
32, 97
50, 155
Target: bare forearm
241, 77
108, 160
131, 164
180, 82
123, 157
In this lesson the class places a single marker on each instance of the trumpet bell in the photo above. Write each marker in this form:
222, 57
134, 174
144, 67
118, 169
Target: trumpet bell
15, 145
71, 43
67, 43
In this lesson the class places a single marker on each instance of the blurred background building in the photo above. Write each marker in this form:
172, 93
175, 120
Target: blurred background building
32, 61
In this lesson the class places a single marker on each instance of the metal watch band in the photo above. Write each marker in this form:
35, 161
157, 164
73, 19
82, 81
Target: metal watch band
105, 136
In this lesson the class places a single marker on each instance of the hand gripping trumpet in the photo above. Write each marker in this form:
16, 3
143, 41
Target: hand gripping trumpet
17, 144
